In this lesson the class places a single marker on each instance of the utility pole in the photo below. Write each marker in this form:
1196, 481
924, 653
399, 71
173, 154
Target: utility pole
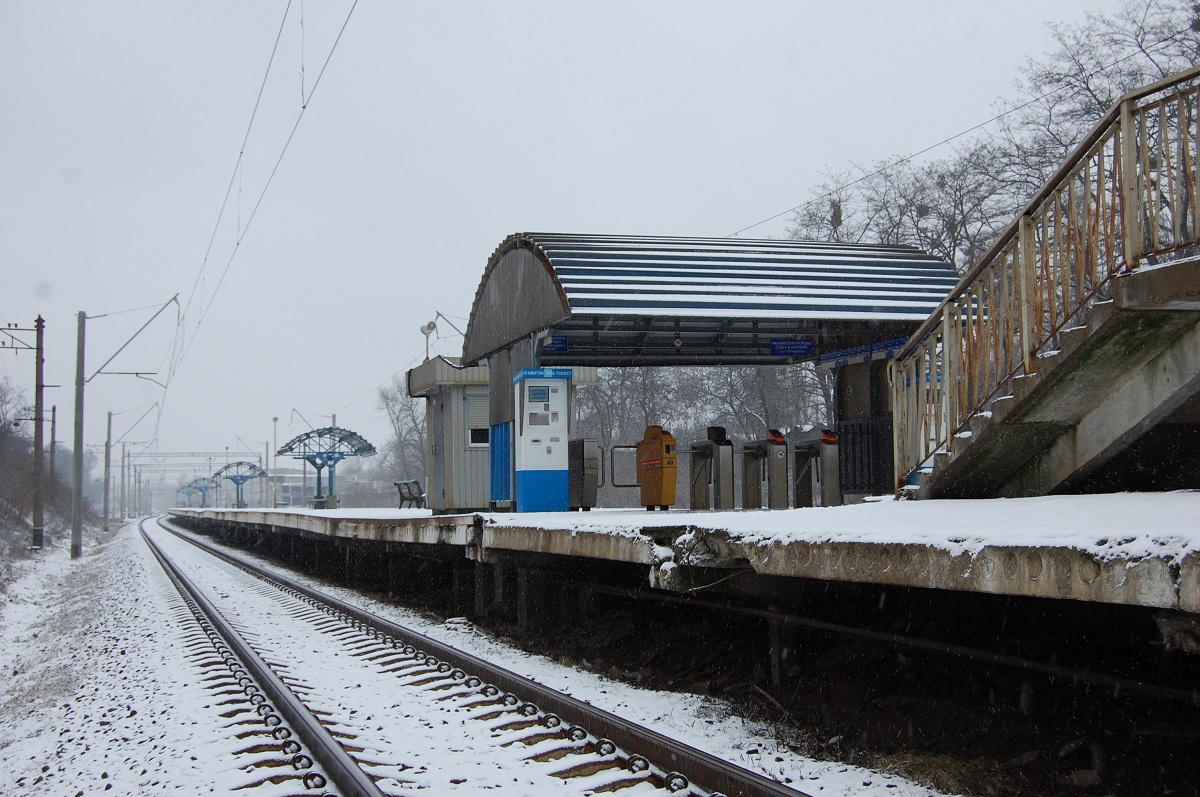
266, 466
107, 468
9, 340
39, 471
275, 461
80, 381
77, 454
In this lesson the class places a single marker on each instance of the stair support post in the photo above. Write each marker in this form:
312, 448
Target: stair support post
1131, 199
1026, 268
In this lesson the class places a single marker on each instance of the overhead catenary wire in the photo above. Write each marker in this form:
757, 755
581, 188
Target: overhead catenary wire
827, 195
187, 337
133, 425
238, 162
262, 194
906, 159
184, 340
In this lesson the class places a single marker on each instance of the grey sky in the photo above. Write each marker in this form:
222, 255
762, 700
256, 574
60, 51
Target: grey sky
437, 129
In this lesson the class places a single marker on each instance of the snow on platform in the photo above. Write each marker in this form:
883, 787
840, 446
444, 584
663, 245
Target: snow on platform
1129, 548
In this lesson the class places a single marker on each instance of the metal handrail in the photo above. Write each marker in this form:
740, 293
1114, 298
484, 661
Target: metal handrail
1127, 193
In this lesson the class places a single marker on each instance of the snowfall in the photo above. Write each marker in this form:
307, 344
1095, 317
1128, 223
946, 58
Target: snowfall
99, 697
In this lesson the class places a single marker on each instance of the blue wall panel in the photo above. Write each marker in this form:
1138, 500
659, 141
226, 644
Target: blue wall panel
500, 448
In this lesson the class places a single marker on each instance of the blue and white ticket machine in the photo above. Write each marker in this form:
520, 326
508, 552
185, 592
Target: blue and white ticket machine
541, 407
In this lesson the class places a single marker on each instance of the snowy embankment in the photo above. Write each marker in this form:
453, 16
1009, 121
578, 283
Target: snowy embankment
100, 697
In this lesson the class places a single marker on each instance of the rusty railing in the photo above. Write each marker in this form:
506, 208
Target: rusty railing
1124, 198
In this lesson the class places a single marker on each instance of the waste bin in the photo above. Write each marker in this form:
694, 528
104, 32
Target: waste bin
657, 465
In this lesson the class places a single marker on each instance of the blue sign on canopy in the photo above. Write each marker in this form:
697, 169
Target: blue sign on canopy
557, 344
797, 347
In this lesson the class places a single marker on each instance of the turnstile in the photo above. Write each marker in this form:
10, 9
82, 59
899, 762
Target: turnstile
765, 461
712, 471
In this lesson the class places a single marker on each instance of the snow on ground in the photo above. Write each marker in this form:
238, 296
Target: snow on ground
98, 699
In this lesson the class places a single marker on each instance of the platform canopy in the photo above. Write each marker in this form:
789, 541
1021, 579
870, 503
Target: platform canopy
607, 300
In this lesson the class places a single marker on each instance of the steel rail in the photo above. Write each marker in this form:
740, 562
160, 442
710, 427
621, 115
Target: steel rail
344, 772
703, 769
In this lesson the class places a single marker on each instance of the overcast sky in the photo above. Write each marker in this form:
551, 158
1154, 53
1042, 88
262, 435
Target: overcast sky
437, 129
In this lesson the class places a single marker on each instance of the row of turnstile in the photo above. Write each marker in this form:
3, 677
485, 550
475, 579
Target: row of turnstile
766, 465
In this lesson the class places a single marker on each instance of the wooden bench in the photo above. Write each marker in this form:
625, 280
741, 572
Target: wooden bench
410, 494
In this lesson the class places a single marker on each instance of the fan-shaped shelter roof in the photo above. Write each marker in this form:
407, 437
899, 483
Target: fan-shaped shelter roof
637, 300
240, 472
328, 445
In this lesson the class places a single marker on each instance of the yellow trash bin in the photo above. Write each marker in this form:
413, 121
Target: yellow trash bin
657, 465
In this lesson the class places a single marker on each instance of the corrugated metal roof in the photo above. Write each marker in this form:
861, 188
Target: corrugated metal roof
651, 300
745, 278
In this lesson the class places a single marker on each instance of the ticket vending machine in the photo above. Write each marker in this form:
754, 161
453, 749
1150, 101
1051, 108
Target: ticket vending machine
542, 423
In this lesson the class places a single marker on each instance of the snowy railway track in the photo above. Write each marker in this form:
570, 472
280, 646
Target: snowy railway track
414, 713
257, 682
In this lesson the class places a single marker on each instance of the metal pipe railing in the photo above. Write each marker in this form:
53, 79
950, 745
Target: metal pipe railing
1126, 194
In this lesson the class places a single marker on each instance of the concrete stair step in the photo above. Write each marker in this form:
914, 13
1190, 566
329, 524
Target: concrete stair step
1024, 385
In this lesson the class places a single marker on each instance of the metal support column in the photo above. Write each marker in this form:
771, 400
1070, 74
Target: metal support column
77, 454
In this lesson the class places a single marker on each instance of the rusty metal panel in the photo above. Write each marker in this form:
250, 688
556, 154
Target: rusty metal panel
518, 295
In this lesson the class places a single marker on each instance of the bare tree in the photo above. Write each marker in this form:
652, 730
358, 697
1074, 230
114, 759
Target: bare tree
1062, 95
951, 208
955, 207
404, 453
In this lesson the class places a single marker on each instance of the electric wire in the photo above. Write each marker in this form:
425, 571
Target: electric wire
238, 162
183, 341
900, 161
1021, 106
266, 187
402, 370
187, 341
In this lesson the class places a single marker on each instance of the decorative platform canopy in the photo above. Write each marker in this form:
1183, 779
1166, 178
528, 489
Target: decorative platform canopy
239, 473
325, 448
201, 486
187, 491
629, 300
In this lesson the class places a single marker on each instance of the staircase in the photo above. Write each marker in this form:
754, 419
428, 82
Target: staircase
1068, 358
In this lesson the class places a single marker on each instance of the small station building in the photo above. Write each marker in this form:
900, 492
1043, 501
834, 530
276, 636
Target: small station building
552, 308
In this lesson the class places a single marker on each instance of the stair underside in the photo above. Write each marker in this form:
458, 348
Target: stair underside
1133, 365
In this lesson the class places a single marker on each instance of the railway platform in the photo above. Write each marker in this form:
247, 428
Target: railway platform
1133, 549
